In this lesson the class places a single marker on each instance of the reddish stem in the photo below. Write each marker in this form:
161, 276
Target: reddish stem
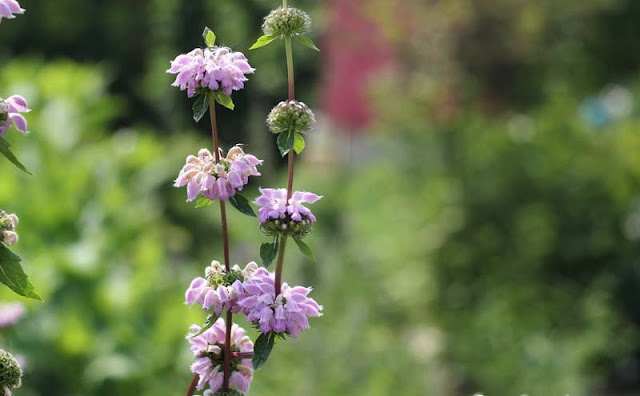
225, 246
192, 385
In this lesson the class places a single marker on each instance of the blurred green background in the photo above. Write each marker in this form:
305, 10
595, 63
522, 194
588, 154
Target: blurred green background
480, 230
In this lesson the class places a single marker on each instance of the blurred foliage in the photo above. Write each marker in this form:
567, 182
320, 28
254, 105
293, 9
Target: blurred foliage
494, 248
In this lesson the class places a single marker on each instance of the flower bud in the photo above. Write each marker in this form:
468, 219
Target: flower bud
10, 371
226, 392
286, 22
289, 117
9, 237
4, 110
13, 220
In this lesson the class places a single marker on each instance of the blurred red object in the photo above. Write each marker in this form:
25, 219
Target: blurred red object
354, 50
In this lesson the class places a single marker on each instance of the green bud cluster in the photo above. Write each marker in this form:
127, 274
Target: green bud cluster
4, 110
10, 371
288, 227
226, 278
290, 116
286, 22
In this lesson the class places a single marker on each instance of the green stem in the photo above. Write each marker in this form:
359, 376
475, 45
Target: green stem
284, 4
280, 264
291, 80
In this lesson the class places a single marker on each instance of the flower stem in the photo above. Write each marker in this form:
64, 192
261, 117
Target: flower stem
225, 246
284, 4
192, 385
279, 264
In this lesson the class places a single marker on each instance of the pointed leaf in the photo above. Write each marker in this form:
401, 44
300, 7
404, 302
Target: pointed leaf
242, 204
12, 275
203, 202
285, 142
262, 349
305, 249
268, 252
209, 37
307, 42
211, 320
225, 100
262, 41
200, 107
5, 150
298, 143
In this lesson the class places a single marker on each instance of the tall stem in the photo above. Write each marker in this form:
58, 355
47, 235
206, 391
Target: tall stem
279, 264
290, 162
192, 385
225, 246
284, 4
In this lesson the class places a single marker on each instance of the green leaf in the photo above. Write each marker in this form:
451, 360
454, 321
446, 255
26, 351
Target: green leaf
268, 252
285, 142
262, 349
200, 107
242, 204
307, 42
211, 320
12, 275
209, 37
225, 100
262, 41
203, 202
5, 150
298, 143
305, 249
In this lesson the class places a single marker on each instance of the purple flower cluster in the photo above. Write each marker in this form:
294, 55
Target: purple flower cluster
211, 69
287, 312
214, 290
203, 176
208, 350
273, 205
11, 108
8, 9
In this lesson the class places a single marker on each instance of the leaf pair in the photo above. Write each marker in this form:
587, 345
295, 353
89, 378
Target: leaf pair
201, 105
287, 141
267, 39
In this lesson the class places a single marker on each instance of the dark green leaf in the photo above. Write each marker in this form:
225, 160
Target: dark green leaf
242, 204
200, 107
5, 150
211, 320
307, 42
262, 348
268, 252
285, 142
12, 275
305, 249
225, 100
262, 41
298, 143
209, 37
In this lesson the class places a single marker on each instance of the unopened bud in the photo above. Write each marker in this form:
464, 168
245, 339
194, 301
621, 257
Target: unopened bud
13, 220
286, 22
213, 349
10, 371
9, 237
289, 117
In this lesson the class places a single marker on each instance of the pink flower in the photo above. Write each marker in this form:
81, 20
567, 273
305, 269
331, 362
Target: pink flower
203, 176
208, 349
10, 314
8, 9
286, 313
10, 109
211, 69
273, 205
219, 289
